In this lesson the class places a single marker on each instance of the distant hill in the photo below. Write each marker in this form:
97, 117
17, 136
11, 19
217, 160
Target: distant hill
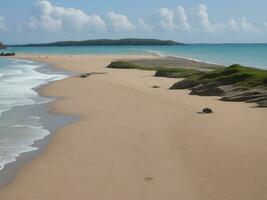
2, 46
106, 42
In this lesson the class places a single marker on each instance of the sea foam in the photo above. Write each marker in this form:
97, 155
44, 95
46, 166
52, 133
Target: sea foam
20, 127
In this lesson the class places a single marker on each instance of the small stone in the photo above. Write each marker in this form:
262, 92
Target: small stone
207, 110
83, 76
155, 86
148, 178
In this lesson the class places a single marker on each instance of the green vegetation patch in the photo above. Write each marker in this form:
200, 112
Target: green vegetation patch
160, 71
236, 75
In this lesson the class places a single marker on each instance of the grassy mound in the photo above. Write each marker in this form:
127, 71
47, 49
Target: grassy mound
160, 71
236, 75
234, 83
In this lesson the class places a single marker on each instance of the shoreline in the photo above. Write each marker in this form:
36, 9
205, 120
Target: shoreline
162, 55
250, 60
176, 152
8, 173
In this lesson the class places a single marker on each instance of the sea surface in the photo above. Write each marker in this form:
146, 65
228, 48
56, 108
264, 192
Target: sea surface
253, 55
21, 118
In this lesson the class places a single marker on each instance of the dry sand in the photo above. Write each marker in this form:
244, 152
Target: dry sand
134, 142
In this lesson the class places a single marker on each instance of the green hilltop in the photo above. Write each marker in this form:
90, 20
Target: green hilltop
106, 42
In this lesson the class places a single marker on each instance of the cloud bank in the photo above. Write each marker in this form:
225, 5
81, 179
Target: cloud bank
3, 26
119, 22
52, 18
55, 18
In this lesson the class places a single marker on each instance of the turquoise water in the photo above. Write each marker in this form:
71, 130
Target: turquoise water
254, 55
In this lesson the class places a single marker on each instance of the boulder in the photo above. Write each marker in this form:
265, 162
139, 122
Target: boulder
207, 110
83, 76
2, 46
155, 86
7, 54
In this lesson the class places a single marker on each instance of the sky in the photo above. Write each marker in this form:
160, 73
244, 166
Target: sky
189, 21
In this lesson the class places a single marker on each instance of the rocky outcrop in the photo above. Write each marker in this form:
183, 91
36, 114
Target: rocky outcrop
184, 84
2, 46
234, 83
251, 96
7, 54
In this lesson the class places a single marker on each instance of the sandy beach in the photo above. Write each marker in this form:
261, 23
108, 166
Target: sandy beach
135, 142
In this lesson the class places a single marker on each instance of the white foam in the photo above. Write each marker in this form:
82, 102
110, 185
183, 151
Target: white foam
154, 52
17, 82
161, 54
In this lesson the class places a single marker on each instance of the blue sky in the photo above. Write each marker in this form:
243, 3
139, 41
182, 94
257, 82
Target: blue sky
190, 21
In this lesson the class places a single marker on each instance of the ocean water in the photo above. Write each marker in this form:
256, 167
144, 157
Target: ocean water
253, 55
20, 123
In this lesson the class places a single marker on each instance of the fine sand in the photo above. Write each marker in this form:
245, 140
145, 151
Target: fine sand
135, 142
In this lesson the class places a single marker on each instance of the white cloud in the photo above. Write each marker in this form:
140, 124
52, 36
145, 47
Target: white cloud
182, 18
166, 19
205, 24
120, 22
233, 25
248, 26
71, 19
97, 22
3, 26
203, 15
42, 7
241, 25
49, 17
173, 20
55, 18
145, 27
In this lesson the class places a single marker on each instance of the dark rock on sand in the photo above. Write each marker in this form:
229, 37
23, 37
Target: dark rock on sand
85, 75
207, 110
7, 54
155, 86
